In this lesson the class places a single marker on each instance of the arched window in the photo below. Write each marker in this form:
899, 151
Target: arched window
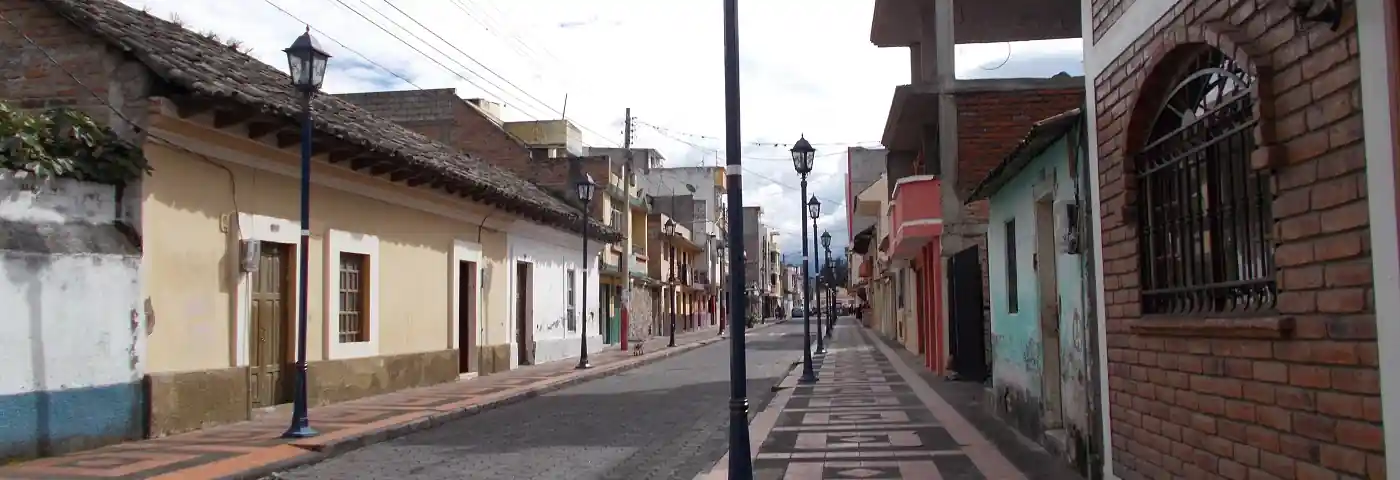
1205, 223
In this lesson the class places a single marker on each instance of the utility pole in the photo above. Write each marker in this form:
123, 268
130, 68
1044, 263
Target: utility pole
627, 179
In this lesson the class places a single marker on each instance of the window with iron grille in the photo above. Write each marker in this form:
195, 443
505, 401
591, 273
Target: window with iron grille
571, 300
1204, 222
1013, 303
354, 298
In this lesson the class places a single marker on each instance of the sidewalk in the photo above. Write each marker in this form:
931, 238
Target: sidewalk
253, 449
870, 415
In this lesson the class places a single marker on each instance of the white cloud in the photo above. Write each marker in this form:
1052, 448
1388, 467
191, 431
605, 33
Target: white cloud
808, 68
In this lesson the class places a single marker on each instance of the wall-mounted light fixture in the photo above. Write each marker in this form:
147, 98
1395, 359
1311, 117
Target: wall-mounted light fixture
1325, 11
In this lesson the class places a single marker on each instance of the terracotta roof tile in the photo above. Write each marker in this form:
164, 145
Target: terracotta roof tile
210, 69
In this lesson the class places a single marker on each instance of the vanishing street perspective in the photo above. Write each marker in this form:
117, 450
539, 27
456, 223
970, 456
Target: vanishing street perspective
699, 240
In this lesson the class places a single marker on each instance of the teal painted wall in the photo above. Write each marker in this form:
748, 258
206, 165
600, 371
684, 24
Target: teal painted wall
1019, 351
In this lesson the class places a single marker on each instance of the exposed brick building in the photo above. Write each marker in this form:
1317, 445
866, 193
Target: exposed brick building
1241, 314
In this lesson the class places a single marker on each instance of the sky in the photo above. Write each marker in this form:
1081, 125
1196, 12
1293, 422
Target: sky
807, 67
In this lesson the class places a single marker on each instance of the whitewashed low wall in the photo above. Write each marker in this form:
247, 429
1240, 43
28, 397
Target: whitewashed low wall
550, 262
71, 322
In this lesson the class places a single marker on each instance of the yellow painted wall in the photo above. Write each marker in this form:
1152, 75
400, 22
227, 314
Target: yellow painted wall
191, 265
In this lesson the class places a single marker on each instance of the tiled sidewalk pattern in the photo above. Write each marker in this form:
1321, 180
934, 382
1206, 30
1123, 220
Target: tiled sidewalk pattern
231, 449
865, 420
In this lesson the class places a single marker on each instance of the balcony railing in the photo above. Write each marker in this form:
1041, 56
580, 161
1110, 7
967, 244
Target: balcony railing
915, 214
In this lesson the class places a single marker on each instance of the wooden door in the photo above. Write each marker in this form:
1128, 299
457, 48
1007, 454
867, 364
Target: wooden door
269, 357
524, 325
466, 315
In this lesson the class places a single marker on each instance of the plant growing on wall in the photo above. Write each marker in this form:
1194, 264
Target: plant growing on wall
66, 143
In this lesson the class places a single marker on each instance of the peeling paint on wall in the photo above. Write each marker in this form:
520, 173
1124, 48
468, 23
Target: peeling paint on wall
72, 348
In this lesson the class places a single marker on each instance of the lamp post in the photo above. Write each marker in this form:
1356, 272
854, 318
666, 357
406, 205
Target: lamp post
671, 246
830, 283
585, 188
802, 157
306, 61
814, 209
740, 456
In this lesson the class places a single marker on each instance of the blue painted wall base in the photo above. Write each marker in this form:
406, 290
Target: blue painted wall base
56, 422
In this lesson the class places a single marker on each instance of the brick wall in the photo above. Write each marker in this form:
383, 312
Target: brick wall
30, 80
1106, 13
992, 123
442, 116
1205, 403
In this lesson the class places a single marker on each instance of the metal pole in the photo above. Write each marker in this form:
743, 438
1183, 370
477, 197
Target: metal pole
671, 244
817, 252
582, 313
809, 376
301, 423
627, 252
740, 456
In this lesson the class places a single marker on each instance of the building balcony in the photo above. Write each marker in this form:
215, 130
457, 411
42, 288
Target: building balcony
609, 266
915, 214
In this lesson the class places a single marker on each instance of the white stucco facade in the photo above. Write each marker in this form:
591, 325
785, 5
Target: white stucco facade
553, 256
72, 334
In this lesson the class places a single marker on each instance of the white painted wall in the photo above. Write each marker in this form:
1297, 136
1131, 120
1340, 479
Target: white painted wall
72, 333
551, 259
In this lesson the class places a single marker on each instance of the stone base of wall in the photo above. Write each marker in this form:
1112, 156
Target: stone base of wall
185, 401
341, 380
494, 359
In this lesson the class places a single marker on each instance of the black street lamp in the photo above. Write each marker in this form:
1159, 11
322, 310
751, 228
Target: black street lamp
306, 61
802, 157
740, 454
585, 188
671, 245
830, 284
814, 208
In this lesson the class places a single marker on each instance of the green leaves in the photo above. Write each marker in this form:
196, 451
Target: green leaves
66, 143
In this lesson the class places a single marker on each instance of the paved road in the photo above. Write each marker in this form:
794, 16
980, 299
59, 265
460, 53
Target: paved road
666, 420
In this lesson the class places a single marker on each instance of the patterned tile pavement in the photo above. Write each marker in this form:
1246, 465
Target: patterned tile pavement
234, 450
870, 417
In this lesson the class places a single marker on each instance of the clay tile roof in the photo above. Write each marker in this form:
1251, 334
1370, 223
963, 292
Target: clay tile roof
212, 70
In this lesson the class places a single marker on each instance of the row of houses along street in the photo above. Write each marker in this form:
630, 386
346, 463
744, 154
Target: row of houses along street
1180, 265
444, 243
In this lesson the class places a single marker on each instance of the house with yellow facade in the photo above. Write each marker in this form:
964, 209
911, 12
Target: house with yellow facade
424, 264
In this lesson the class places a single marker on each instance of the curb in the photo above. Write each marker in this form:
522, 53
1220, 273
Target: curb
322, 452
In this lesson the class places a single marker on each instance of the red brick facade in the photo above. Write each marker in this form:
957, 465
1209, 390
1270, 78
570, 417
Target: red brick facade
1291, 393
992, 123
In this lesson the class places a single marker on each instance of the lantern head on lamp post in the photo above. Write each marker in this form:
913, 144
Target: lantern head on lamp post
306, 61
802, 156
826, 239
814, 208
584, 188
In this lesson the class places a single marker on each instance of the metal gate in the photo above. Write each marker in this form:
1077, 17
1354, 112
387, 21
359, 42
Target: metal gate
968, 331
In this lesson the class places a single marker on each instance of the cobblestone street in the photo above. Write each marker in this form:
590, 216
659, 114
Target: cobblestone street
666, 420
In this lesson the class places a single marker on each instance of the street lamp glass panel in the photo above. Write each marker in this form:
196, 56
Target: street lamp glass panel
814, 208
826, 239
802, 155
586, 187
670, 227
306, 61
